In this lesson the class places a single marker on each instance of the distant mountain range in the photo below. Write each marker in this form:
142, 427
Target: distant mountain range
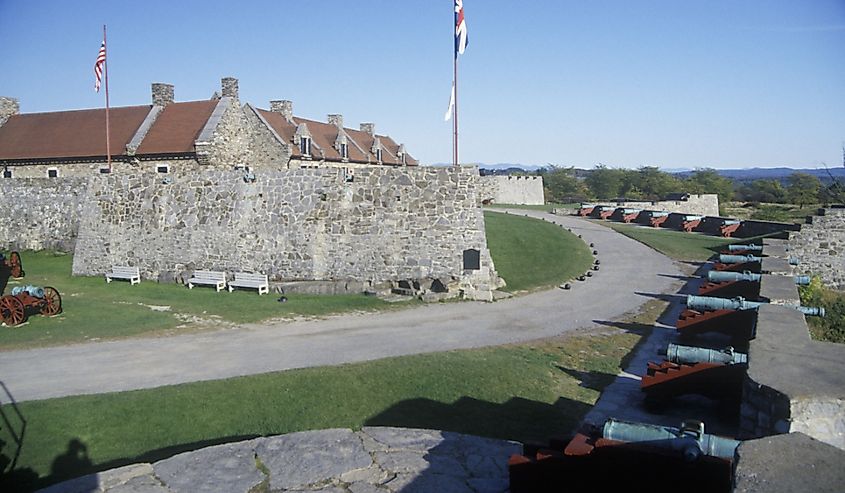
744, 174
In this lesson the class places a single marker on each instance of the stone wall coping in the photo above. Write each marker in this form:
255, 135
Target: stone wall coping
784, 358
142, 131
775, 265
207, 132
788, 463
778, 251
778, 289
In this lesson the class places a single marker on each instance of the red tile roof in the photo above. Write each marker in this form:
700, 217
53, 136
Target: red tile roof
69, 134
177, 128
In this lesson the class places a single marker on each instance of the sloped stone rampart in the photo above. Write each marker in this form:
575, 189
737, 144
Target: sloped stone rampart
40, 213
300, 224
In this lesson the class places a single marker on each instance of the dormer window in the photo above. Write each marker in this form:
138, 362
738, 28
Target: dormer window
378, 154
305, 146
344, 150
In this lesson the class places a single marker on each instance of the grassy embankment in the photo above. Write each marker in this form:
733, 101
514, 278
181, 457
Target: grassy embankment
523, 392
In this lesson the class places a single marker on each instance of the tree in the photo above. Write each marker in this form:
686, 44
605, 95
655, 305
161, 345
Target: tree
770, 191
605, 183
803, 189
561, 185
654, 184
707, 180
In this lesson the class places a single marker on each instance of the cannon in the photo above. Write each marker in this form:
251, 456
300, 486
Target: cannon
729, 227
16, 307
657, 218
586, 209
744, 248
690, 222
706, 303
742, 259
729, 276
690, 354
605, 211
689, 440
629, 215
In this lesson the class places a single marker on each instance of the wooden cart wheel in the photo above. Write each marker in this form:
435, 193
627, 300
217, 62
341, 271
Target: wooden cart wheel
53, 305
12, 311
16, 265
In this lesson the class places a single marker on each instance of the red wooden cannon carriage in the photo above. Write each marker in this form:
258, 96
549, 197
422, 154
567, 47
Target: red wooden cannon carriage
13, 263
15, 308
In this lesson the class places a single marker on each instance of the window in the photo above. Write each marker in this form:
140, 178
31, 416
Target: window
378, 154
7, 173
52, 172
105, 171
344, 151
164, 168
305, 146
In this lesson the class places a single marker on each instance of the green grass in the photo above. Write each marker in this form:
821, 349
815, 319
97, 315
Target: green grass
524, 392
94, 310
531, 254
674, 244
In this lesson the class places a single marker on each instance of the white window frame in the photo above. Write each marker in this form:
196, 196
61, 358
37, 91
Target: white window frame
305, 145
165, 166
52, 169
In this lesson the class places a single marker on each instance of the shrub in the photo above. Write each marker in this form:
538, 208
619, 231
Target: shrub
831, 327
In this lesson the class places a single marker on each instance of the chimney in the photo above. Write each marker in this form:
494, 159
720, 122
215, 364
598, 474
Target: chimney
162, 94
8, 107
370, 128
336, 120
229, 87
284, 107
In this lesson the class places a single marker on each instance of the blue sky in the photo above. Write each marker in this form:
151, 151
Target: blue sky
723, 84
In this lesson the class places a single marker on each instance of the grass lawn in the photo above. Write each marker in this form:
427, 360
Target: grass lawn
531, 254
524, 392
94, 310
675, 244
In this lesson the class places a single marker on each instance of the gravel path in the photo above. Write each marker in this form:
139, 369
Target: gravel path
630, 272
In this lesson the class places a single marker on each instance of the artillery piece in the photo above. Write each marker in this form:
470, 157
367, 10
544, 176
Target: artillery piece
26, 300
729, 276
743, 259
689, 440
677, 353
745, 248
707, 303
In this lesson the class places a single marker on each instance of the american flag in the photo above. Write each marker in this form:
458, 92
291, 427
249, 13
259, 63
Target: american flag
98, 66
460, 28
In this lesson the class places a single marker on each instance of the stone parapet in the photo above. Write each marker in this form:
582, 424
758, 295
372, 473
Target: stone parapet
517, 190
820, 247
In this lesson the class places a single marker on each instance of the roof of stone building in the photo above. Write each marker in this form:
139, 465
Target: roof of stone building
69, 134
177, 128
323, 135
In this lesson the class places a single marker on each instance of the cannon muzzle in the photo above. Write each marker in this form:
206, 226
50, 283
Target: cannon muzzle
705, 303
689, 440
690, 354
740, 248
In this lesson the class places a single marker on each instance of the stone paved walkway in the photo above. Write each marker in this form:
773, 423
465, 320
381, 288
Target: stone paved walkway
372, 460
630, 275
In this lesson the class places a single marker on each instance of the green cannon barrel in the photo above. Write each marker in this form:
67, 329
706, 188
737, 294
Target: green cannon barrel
727, 276
630, 211
658, 213
741, 259
739, 248
31, 290
689, 440
703, 303
690, 354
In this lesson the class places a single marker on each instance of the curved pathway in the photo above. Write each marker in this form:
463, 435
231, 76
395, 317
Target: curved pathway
629, 272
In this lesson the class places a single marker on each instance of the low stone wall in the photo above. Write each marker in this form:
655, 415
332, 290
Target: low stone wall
820, 247
40, 213
697, 204
518, 190
298, 224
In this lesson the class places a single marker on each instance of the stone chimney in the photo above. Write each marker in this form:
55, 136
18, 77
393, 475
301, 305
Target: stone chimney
336, 120
162, 94
8, 107
370, 128
229, 87
284, 107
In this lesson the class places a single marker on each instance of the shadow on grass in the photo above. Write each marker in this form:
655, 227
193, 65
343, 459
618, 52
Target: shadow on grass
13, 427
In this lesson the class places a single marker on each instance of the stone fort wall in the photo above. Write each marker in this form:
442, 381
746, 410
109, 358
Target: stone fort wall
300, 224
40, 213
520, 190
820, 247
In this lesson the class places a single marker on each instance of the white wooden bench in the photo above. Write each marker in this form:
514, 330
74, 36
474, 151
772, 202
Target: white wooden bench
250, 280
131, 274
208, 277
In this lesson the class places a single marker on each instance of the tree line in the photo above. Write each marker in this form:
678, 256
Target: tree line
567, 184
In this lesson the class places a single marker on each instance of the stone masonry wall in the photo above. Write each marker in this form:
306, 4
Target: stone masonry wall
820, 247
265, 151
699, 204
519, 190
40, 213
308, 224
229, 145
